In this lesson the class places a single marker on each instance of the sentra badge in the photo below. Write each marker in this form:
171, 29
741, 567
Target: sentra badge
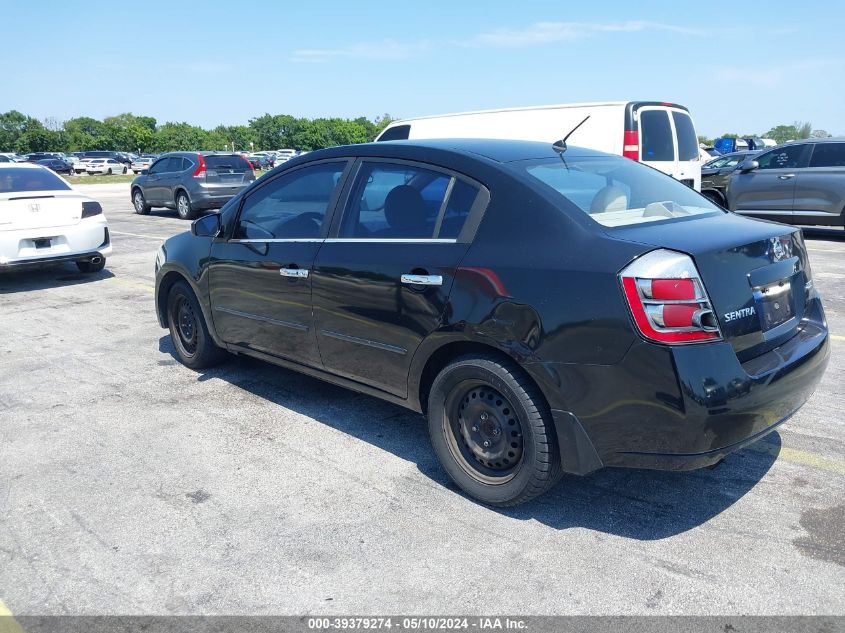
739, 314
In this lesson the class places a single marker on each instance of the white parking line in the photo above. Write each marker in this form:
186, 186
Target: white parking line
148, 237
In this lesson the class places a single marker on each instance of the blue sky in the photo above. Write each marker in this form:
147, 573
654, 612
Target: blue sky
738, 66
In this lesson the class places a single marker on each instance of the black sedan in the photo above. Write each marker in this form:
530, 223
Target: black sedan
550, 310
57, 165
716, 173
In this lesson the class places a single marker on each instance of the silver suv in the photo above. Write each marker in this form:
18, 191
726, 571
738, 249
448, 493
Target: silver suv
802, 182
190, 182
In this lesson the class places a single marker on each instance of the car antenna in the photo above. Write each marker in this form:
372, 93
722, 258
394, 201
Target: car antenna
560, 146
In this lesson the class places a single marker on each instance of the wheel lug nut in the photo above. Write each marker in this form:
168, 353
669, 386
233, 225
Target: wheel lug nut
475, 428
486, 443
484, 416
495, 431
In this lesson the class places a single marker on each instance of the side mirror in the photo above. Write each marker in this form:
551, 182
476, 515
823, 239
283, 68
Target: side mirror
207, 226
747, 165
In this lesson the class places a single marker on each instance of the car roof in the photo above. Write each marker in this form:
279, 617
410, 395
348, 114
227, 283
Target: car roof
20, 166
499, 150
832, 139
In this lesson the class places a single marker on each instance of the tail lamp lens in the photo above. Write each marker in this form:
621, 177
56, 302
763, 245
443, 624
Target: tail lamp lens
199, 172
631, 145
667, 299
90, 209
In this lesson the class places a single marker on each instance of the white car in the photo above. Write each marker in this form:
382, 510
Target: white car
104, 166
43, 219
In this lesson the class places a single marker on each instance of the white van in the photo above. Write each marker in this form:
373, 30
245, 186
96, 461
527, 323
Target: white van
656, 133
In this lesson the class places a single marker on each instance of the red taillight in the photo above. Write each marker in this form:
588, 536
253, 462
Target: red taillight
199, 172
667, 300
631, 145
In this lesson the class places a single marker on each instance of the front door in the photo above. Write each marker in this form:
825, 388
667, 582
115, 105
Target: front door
154, 187
382, 284
769, 190
260, 278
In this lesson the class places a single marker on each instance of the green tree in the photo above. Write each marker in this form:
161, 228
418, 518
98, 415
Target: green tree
12, 125
83, 133
703, 140
782, 133
180, 137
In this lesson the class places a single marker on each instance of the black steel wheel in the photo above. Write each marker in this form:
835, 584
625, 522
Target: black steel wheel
191, 339
491, 430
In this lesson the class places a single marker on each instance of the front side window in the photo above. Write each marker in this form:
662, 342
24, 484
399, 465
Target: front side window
393, 201
828, 155
292, 206
159, 166
656, 136
615, 191
788, 157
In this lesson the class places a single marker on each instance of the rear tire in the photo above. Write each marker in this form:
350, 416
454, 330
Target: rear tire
492, 431
139, 202
125, 170
86, 266
715, 197
109, 171
183, 206
194, 346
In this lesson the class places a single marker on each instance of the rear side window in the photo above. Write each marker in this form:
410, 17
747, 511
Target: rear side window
398, 133
226, 163
656, 135
828, 155
787, 157
687, 140
615, 191
14, 180
291, 206
391, 201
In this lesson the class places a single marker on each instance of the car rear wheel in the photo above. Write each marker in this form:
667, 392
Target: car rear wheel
140, 203
194, 345
125, 169
109, 172
492, 431
183, 206
88, 266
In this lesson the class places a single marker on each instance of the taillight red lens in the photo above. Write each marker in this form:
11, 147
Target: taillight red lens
200, 170
667, 300
631, 145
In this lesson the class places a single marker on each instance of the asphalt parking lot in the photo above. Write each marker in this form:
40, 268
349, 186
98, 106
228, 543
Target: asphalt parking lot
130, 484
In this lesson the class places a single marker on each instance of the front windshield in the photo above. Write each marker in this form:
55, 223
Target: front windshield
616, 191
723, 161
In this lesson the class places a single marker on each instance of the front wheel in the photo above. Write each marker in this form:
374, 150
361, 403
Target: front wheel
109, 172
183, 206
492, 431
140, 203
194, 345
125, 170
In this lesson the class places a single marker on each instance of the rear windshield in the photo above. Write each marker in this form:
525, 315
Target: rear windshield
615, 191
687, 140
14, 180
230, 162
656, 135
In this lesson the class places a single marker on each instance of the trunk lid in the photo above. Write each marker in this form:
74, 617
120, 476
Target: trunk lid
27, 210
227, 171
755, 272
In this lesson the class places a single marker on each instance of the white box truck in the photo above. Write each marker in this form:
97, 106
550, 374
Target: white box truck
659, 134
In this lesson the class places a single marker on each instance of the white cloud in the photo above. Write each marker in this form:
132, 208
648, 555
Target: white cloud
549, 32
768, 77
532, 35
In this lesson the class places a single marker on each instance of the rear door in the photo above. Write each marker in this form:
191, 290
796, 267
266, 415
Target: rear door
382, 282
260, 278
820, 188
769, 190
668, 143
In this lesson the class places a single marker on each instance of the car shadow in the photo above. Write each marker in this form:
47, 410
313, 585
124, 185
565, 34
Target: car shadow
636, 504
41, 276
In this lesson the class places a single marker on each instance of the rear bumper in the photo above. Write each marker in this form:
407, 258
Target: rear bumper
88, 238
686, 407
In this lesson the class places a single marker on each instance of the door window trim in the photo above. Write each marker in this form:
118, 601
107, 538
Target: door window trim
328, 219
467, 233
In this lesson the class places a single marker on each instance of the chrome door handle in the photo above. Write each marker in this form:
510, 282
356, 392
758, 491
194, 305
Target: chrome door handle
786, 176
422, 280
301, 273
